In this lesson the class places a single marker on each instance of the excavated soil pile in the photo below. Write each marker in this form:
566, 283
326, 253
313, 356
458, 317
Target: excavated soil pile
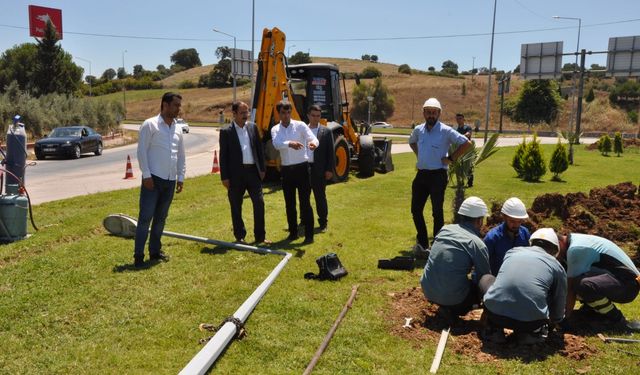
426, 326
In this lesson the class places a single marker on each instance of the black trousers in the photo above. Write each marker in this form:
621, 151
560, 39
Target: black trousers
296, 177
593, 286
428, 183
319, 188
247, 180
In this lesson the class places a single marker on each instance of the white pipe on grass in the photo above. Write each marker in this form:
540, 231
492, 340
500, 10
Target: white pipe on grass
205, 358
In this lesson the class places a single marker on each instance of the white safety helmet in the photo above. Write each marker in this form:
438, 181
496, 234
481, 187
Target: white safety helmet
473, 207
432, 103
513, 207
547, 234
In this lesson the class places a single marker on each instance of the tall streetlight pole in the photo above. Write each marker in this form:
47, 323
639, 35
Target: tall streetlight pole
87, 61
233, 61
124, 87
253, 26
289, 50
493, 29
573, 101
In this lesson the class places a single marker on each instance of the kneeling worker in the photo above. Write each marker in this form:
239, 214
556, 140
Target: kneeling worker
529, 291
600, 273
457, 250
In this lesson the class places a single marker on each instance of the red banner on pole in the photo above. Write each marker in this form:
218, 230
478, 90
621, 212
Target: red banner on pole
38, 17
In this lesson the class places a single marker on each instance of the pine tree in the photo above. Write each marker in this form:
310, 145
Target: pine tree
618, 147
604, 145
533, 164
516, 162
55, 71
559, 161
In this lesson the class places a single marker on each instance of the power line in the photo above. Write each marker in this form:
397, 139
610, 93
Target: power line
445, 36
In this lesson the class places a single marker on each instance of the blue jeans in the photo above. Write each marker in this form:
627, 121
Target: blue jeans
154, 204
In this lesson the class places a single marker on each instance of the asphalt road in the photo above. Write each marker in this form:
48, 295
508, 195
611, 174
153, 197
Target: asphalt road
50, 180
54, 179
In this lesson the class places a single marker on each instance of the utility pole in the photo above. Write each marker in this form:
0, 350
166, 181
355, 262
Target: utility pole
124, 86
493, 29
583, 54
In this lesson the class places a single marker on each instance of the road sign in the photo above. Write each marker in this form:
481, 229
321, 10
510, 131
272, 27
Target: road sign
541, 60
623, 57
38, 17
242, 62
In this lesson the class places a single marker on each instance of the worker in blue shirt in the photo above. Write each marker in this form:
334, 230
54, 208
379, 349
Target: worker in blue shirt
509, 234
430, 141
529, 292
599, 274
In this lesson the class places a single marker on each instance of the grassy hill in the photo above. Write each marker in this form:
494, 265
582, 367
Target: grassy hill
409, 92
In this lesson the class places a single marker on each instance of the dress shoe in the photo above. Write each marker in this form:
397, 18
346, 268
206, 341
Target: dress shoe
323, 228
160, 256
241, 241
292, 237
138, 262
307, 240
263, 241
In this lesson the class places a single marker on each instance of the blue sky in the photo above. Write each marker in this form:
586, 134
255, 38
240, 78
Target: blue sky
434, 31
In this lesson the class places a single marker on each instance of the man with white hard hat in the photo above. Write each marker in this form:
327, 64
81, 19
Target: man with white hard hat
430, 141
456, 251
599, 274
529, 292
509, 234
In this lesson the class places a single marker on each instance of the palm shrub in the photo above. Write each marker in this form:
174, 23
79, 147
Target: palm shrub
516, 162
533, 164
604, 145
618, 147
559, 160
460, 170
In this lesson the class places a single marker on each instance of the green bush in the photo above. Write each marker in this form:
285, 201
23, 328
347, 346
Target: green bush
404, 69
516, 162
187, 84
590, 96
633, 116
618, 147
604, 145
370, 72
559, 160
533, 164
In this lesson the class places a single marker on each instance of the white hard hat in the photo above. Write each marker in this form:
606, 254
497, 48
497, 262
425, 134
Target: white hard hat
473, 207
513, 207
547, 234
432, 103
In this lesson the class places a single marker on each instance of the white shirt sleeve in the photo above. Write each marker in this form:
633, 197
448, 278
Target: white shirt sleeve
311, 139
278, 138
182, 165
144, 142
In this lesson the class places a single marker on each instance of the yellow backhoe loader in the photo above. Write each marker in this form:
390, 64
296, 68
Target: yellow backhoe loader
304, 85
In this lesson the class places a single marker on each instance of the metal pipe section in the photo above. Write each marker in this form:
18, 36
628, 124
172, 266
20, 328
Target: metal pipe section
232, 245
205, 358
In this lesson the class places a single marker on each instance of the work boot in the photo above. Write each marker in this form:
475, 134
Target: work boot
536, 337
448, 315
420, 252
493, 334
161, 256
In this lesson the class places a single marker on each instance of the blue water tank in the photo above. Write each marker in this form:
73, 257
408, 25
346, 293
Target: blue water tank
13, 217
16, 153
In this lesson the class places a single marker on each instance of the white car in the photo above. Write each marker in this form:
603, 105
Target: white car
183, 124
381, 125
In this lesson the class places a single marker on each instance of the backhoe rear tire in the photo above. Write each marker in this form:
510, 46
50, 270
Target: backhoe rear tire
343, 159
366, 157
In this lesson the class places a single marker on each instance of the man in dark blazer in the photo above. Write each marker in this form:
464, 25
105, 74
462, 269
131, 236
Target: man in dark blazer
242, 168
321, 161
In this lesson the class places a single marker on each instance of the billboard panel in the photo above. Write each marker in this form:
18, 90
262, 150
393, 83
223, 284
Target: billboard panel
623, 57
541, 60
241, 62
38, 17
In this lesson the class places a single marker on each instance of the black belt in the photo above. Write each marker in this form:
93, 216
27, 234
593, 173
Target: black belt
294, 166
248, 165
440, 170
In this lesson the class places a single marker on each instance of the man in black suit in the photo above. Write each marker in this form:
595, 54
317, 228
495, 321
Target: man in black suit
242, 169
321, 162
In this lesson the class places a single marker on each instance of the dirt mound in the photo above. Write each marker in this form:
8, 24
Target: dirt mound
426, 325
612, 212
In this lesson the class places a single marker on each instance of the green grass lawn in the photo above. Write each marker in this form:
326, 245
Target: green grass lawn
70, 302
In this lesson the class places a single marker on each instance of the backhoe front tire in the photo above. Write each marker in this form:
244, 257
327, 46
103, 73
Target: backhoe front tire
343, 159
366, 157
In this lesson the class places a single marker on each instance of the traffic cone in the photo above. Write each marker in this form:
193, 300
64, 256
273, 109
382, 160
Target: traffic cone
129, 172
216, 166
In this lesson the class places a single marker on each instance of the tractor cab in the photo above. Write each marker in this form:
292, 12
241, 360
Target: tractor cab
316, 84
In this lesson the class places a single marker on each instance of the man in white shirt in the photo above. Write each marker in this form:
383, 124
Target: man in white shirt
161, 158
290, 137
